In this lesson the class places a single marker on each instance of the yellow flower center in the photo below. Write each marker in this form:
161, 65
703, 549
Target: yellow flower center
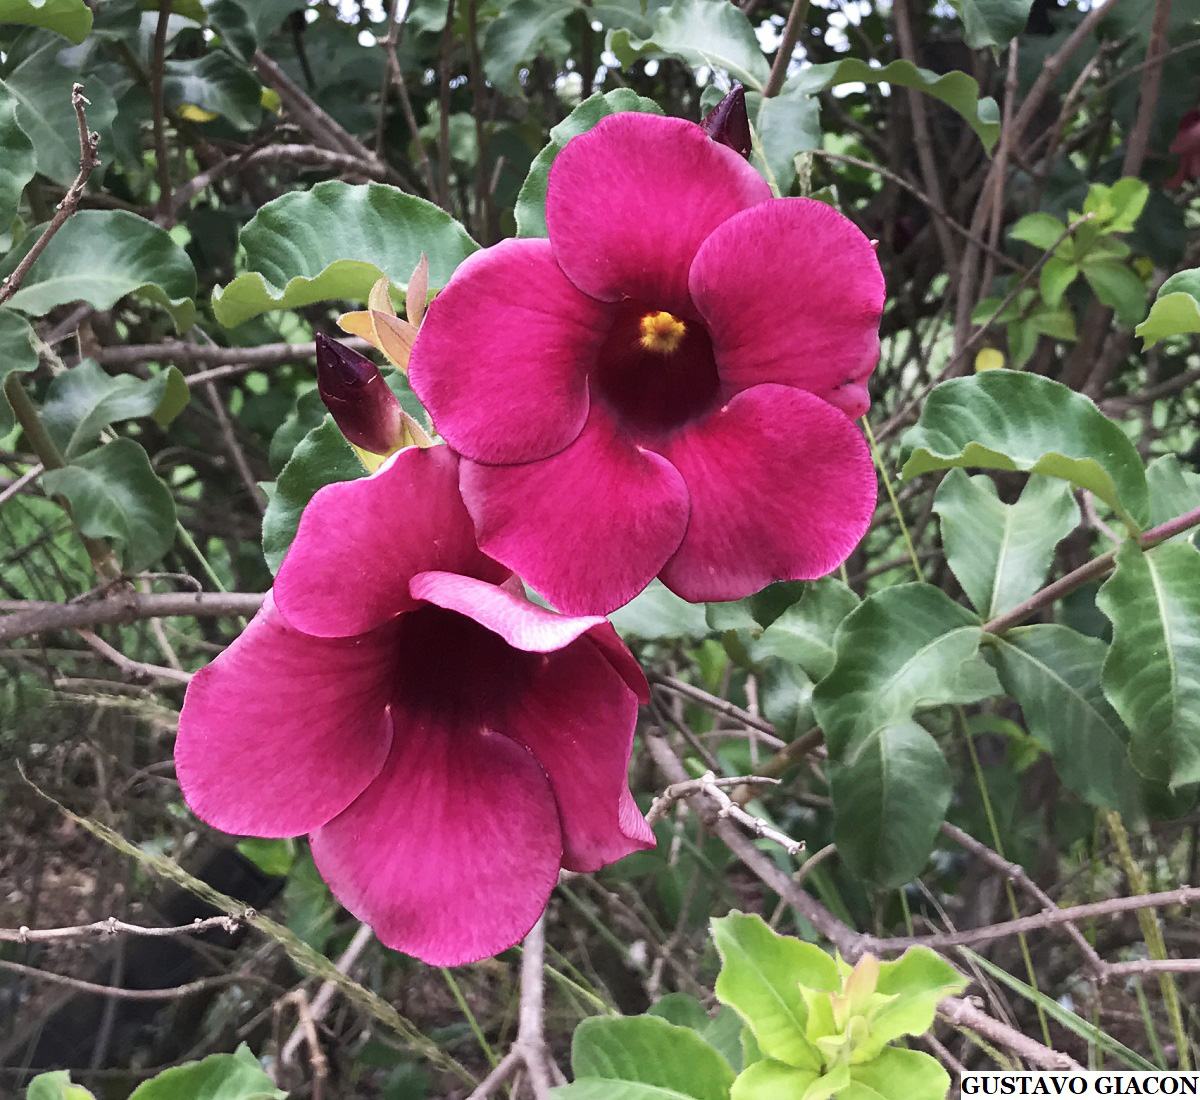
661, 332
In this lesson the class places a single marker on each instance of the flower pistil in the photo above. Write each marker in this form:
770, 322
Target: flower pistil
661, 332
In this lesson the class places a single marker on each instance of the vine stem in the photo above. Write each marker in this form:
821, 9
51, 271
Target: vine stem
887, 484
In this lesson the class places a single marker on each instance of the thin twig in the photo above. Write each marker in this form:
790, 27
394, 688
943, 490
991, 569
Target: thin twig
88, 161
170, 994
963, 1013
718, 706
111, 927
157, 67
797, 17
137, 669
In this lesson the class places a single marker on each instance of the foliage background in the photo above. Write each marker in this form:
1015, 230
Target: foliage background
176, 390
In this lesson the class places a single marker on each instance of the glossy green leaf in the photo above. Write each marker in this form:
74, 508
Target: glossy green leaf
1152, 672
999, 552
114, 494
1007, 420
1053, 672
761, 975
1117, 207
70, 18
1040, 229
955, 89
723, 1031
56, 1085
43, 90
531, 202
1119, 287
17, 161
1054, 280
803, 634
322, 458
992, 23
714, 33
218, 85
17, 355
889, 802
523, 30
918, 980
787, 124
336, 241
1174, 490
272, 857
772, 1080
1176, 310
99, 256
900, 1075
657, 614
82, 402
644, 1058
236, 1076
903, 649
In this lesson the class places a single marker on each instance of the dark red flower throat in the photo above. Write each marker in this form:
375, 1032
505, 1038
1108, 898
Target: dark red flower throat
655, 371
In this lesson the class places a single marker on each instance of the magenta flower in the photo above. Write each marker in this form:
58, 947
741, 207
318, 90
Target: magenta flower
665, 385
1187, 145
447, 744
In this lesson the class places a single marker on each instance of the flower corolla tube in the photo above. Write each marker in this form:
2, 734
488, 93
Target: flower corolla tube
447, 744
665, 386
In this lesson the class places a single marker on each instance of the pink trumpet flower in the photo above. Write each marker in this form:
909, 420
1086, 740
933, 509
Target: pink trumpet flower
665, 386
447, 744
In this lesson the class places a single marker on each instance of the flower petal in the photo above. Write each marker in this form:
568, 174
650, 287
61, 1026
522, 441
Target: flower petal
587, 528
501, 361
519, 622
782, 488
283, 731
629, 202
577, 717
360, 543
806, 315
608, 641
451, 854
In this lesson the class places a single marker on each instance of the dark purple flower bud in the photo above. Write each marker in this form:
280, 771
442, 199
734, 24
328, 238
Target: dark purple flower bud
728, 122
363, 406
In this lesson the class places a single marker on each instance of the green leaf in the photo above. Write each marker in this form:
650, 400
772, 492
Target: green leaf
1054, 279
657, 614
272, 857
787, 124
531, 202
523, 30
761, 975
999, 552
889, 802
955, 89
1053, 672
903, 649
43, 90
99, 256
70, 18
217, 84
336, 241
56, 1086
901, 1075
236, 1076
17, 354
714, 33
1039, 229
803, 634
1118, 287
322, 458
115, 494
772, 1080
83, 401
1007, 420
643, 1058
1152, 672
992, 23
1174, 490
1117, 208
1176, 310
17, 161
919, 979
